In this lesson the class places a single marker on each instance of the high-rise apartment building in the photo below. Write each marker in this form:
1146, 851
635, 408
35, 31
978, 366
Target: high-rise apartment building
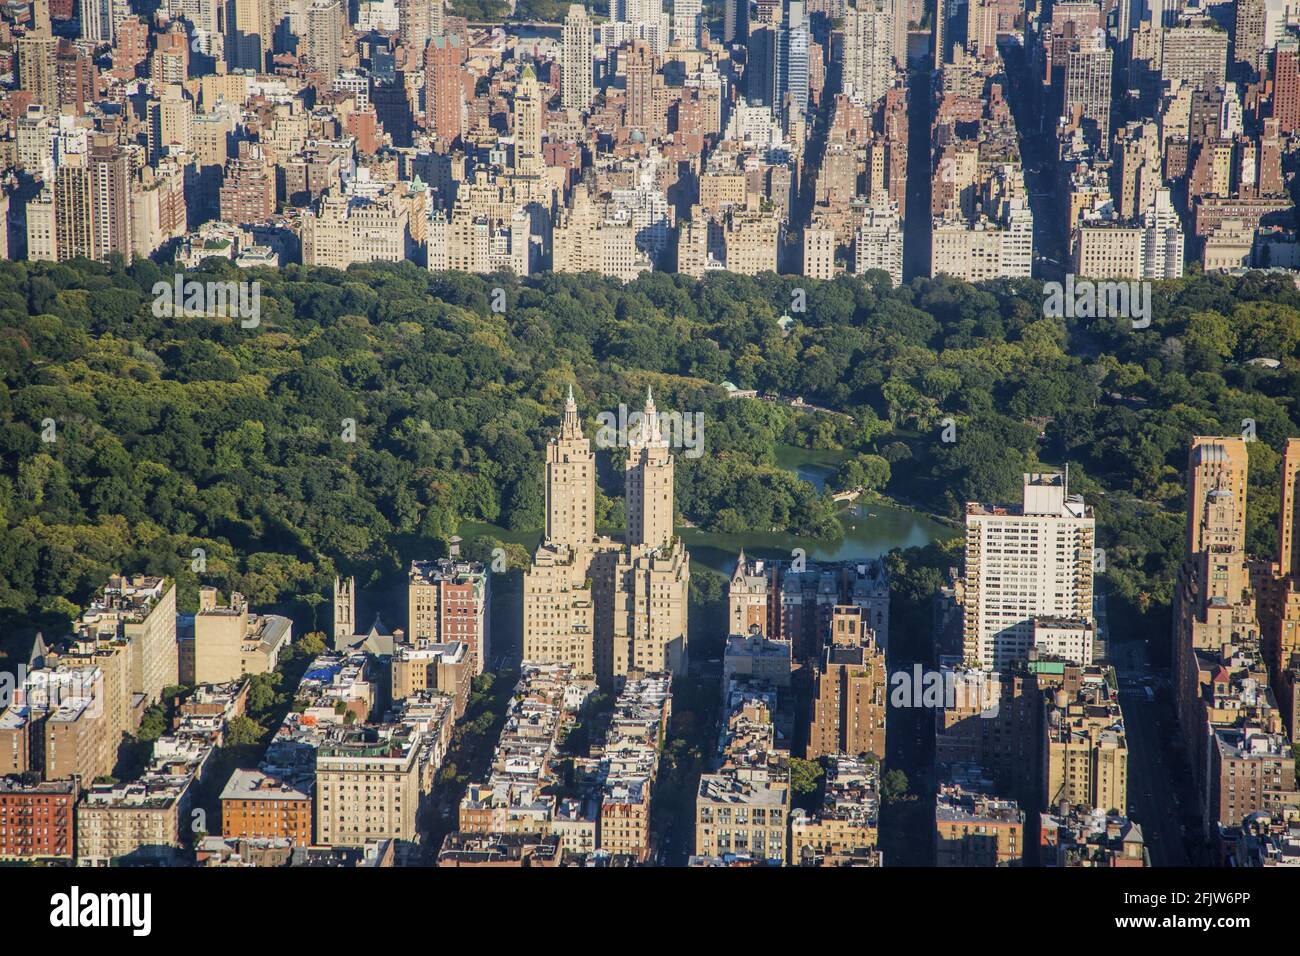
74, 205
577, 60
1035, 560
348, 228
604, 607
368, 785
1248, 38
1286, 85
36, 69
248, 34
528, 124
141, 610
447, 602
325, 22
849, 690
793, 40
688, 22
1195, 52
868, 50
1087, 91
735, 21
444, 89
878, 241
1086, 749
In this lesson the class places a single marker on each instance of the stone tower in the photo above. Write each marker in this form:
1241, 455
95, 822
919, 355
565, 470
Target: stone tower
649, 484
345, 609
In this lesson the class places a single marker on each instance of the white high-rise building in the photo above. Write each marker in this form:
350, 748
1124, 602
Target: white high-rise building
792, 64
1025, 563
878, 243
688, 19
868, 50
1162, 239
576, 60
637, 20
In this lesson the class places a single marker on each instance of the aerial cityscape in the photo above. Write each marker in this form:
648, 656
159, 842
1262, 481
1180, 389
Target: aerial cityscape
646, 434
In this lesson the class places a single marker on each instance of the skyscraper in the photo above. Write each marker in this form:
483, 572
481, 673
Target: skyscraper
735, 21
570, 483
1289, 513
640, 86
1286, 85
868, 50
982, 27
325, 20
248, 34
414, 23
1023, 563
576, 60
74, 217
792, 60
528, 124
939, 39
603, 606
97, 20
110, 173
1248, 39
688, 19
1216, 466
761, 63
1087, 90
36, 72
444, 93
649, 483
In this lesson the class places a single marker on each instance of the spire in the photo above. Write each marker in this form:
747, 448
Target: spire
650, 434
740, 565
570, 426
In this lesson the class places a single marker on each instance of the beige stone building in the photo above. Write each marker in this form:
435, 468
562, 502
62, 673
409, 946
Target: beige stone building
737, 815
424, 666
230, 642
847, 822
447, 601
849, 690
1085, 748
604, 607
142, 611
588, 238
974, 827
355, 228
742, 811
130, 821
368, 786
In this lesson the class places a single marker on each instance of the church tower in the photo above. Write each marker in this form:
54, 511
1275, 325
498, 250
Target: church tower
345, 610
649, 484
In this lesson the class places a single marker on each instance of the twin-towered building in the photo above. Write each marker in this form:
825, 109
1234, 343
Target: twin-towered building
606, 607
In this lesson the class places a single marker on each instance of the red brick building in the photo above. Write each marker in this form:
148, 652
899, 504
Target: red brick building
36, 819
